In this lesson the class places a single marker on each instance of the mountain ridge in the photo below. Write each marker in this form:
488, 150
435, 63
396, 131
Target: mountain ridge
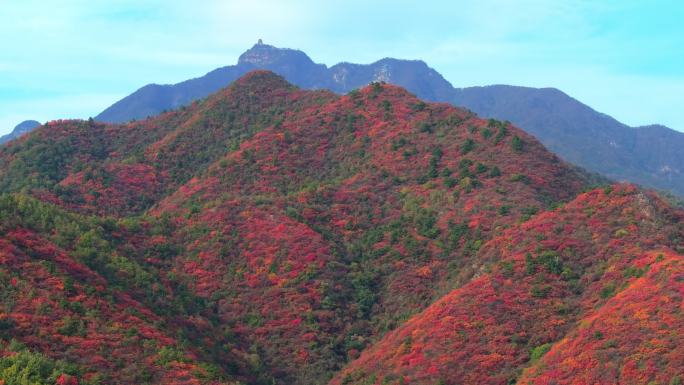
576, 132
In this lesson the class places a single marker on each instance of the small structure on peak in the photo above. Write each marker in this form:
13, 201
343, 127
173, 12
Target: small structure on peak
260, 42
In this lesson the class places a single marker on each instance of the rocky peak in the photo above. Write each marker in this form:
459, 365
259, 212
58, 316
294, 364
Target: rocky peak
264, 55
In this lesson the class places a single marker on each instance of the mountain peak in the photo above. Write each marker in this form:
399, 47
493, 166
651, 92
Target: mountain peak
263, 55
262, 79
25, 126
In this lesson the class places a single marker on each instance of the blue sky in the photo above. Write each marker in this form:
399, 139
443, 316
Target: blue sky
73, 58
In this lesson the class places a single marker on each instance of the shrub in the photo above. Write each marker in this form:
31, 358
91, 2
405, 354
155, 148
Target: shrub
621, 233
633, 271
467, 146
28, 368
528, 212
608, 290
540, 291
468, 183
450, 182
501, 133
486, 133
425, 223
72, 326
551, 261
494, 172
6, 326
434, 163
520, 178
365, 293
426, 127
517, 143
399, 143
420, 106
169, 354
464, 163
455, 233
507, 268
539, 352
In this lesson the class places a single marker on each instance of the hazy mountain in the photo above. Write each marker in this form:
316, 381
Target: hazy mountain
273, 235
19, 130
649, 156
295, 66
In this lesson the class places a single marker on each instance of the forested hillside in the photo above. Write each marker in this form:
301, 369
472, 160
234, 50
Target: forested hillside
272, 235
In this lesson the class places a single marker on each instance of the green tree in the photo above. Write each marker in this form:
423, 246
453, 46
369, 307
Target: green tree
28, 368
517, 144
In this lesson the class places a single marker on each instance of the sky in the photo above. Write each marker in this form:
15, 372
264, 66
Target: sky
74, 58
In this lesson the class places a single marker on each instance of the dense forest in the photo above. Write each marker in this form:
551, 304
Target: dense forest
270, 235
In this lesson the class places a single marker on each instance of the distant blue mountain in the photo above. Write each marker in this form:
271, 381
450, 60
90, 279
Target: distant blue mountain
649, 155
19, 130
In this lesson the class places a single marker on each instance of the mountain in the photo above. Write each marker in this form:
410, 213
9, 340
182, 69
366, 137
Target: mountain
295, 66
646, 155
19, 130
570, 296
273, 235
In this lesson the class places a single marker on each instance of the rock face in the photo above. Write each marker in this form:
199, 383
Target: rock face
19, 130
650, 155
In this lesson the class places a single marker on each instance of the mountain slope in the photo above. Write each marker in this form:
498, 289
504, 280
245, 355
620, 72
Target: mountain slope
19, 130
372, 256
646, 155
627, 340
265, 192
77, 294
580, 135
272, 235
550, 279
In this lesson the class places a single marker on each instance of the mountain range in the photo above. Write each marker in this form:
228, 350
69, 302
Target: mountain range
268, 234
649, 155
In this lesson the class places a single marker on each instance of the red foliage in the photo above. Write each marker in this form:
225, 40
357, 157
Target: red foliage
44, 311
66, 379
633, 339
484, 331
114, 189
295, 230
